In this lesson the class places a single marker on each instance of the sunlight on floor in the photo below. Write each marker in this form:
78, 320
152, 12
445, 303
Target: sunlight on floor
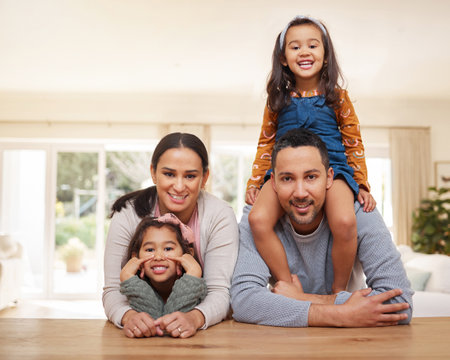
55, 309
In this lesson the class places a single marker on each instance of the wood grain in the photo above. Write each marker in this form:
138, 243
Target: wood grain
97, 339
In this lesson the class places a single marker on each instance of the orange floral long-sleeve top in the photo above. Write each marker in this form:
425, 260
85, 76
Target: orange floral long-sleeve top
351, 138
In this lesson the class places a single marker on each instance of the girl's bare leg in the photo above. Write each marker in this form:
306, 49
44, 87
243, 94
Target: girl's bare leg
340, 211
262, 218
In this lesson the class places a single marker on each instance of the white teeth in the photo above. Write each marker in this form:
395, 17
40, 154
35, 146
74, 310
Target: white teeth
158, 268
177, 197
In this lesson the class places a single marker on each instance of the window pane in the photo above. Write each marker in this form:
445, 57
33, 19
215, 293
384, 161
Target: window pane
380, 182
75, 266
231, 168
23, 211
126, 171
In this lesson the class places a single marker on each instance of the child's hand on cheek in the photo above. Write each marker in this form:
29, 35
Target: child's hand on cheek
189, 264
132, 267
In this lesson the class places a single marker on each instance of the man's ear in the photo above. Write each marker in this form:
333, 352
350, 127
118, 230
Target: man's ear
272, 180
330, 176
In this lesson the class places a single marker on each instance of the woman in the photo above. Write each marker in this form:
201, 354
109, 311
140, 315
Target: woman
179, 169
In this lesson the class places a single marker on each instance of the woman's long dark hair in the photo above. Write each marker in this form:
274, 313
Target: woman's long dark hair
281, 81
144, 200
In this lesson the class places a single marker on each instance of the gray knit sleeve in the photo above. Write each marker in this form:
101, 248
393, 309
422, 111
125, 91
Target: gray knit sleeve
142, 297
380, 260
251, 300
187, 292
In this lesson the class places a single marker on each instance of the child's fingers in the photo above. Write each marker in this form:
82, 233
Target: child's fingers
174, 258
145, 259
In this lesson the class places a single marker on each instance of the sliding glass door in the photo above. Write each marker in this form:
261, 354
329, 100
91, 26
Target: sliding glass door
78, 223
23, 210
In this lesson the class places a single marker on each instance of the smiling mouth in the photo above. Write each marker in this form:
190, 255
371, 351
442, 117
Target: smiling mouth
159, 269
303, 205
178, 197
305, 64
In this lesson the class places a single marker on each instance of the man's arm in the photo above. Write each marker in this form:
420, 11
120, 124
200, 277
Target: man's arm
380, 261
251, 300
360, 310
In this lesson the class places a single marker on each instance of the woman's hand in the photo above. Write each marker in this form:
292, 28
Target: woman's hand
132, 267
140, 324
182, 325
251, 195
189, 264
366, 199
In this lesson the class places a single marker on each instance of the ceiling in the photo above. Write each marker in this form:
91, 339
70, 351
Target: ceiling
386, 48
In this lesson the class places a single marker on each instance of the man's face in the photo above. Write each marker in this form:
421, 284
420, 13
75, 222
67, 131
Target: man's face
301, 181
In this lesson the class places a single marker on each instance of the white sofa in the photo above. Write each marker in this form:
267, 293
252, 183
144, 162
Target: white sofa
11, 270
430, 278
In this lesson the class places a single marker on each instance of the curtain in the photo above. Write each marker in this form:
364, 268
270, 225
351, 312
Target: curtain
411, 166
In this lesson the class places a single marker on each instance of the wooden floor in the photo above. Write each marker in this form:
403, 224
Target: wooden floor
55, 309
51, 339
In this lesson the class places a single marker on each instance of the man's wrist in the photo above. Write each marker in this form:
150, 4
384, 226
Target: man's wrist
319, 299
326, 315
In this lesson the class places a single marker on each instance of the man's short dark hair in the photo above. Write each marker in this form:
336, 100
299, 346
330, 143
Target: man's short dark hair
301, 137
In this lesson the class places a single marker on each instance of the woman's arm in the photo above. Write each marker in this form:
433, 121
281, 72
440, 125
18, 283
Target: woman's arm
219, 247
121, 229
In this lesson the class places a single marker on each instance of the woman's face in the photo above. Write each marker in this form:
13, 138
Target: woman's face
178, 178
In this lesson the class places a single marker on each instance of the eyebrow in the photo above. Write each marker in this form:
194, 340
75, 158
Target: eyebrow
174, 170
308, 40
284, 173
165, 242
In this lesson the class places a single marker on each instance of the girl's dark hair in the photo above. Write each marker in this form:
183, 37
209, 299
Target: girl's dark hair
282, 81
144, 200
147, 222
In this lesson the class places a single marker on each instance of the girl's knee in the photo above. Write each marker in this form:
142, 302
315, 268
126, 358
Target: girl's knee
258, 219
345, 226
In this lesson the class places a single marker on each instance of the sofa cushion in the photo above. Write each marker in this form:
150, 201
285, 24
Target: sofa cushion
8, 247
419, 278
439, 267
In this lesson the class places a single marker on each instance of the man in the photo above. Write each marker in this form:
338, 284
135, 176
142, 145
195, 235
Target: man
301, 175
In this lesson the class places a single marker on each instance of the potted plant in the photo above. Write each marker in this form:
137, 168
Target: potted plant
72, 253
430, 229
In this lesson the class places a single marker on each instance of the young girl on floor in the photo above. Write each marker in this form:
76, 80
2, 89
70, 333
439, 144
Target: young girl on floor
161, 275
303, 91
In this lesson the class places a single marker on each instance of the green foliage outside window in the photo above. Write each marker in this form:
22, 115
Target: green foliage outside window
431, 230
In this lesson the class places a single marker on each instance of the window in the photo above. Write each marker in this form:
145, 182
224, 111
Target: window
55, 200
231, 168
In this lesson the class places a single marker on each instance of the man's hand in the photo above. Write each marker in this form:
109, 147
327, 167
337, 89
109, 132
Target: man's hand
360, 310
293, 289
367, 310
